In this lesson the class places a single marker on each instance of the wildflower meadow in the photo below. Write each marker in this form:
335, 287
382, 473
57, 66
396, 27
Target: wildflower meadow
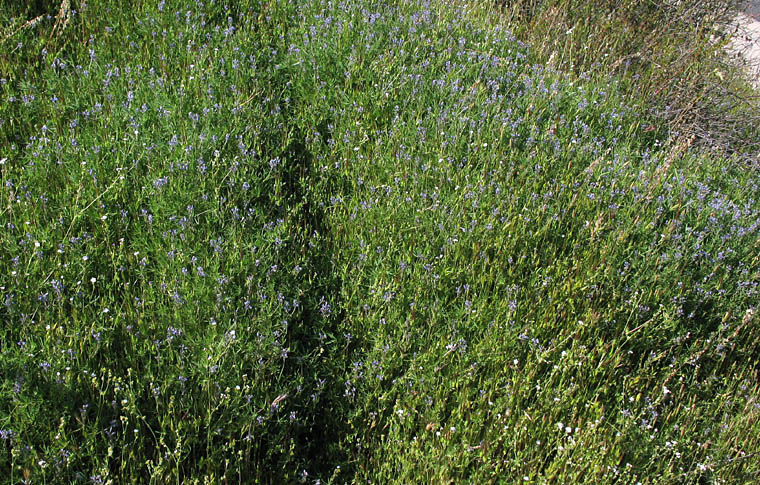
359, 241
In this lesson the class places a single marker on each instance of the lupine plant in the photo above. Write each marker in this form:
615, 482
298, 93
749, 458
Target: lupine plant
359, 241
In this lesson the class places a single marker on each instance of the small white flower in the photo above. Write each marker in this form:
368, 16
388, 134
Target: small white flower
93, 280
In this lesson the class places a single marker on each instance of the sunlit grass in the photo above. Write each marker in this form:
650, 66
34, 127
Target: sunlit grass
367, 241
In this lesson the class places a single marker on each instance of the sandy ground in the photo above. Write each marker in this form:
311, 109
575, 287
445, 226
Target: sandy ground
747, 39
753, 9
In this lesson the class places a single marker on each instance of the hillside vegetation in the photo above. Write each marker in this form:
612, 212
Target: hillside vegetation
359, 242
675, 57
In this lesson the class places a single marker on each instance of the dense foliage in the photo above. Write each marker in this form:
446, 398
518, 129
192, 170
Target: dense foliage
359, 241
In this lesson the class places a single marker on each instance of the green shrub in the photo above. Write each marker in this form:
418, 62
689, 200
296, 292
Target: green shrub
365, 241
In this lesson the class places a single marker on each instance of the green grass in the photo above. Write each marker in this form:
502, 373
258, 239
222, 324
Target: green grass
671, 56
359, 242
